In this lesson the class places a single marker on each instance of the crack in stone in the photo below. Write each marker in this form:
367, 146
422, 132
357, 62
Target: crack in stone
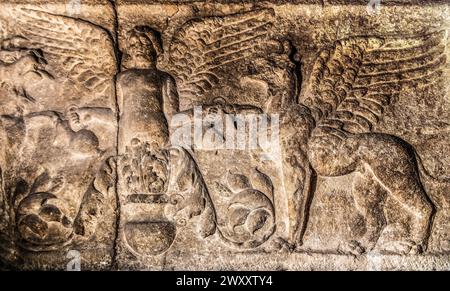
114, 263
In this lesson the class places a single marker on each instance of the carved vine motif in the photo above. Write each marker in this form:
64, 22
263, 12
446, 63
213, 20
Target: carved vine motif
160, 187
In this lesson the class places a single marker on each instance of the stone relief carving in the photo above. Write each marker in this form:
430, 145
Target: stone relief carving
160, 186
55, 158
345, 99
89, 122
250, 213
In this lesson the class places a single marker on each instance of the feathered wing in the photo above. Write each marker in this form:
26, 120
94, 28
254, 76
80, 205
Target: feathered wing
202, 47
352, 83
78, 54
83, 53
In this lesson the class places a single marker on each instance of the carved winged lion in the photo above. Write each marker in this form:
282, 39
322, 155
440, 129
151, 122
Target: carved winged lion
330, 130
201, 55
352, 82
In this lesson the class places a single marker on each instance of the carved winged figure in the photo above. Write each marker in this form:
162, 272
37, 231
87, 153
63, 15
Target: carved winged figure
61, 53
351, 84
203, 55
148, 98
54, 170
329, 130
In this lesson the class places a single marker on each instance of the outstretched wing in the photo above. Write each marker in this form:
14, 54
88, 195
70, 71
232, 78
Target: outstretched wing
201, 48
353, 81
82, 53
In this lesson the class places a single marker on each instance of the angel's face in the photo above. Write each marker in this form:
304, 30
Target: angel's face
141, 53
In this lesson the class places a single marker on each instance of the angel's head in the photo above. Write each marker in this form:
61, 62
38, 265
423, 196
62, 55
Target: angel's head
144, 46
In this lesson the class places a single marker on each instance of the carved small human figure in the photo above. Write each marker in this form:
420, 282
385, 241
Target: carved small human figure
160, 186
143, 88
146, 98
20, 65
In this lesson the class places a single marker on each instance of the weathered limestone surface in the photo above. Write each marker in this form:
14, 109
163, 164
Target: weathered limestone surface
224, 135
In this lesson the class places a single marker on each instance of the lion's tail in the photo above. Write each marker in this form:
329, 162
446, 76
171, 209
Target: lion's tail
437, 187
